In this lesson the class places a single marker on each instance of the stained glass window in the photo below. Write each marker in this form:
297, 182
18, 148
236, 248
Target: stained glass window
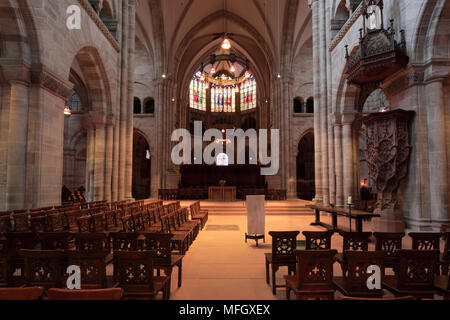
198, 94
223, 99
75, 102
248, 94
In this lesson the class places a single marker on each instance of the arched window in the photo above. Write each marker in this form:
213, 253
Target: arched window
248, 94
310, 105
75, 102
197, 94
149, 106
137, 106
223, 98
298, 105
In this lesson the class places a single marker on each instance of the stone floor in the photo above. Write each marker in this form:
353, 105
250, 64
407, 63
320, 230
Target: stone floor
221, 266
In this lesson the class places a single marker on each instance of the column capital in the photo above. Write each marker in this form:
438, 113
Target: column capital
96, 119
348, 117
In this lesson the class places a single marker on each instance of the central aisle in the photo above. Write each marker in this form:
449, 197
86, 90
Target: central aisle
221, 266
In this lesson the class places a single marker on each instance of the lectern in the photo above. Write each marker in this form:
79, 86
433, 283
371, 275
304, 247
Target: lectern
256, 218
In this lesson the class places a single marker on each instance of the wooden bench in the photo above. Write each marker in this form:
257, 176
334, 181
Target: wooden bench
357, 215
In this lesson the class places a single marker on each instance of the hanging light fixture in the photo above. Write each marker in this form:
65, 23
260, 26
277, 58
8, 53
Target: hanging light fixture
226, 45
233, 68
213, 70
67, 111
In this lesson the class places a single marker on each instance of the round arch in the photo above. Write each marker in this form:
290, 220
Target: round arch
305, 166
141, 181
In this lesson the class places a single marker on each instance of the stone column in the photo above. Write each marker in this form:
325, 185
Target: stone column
99, 162
347, 150
130, 124
323, 103
17, 144
316, 80
124, 102
109, 157
437, 144
337, 127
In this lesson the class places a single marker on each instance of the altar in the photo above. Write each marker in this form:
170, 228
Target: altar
222, 193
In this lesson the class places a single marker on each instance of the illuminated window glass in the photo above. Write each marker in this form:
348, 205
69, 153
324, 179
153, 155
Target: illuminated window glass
197, 92
223, 99
248, 94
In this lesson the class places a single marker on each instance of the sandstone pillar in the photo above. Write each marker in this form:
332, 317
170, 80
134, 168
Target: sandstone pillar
339, 174
347, 152
438, 161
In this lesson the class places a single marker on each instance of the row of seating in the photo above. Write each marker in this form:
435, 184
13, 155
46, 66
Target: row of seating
419, 271
96, 243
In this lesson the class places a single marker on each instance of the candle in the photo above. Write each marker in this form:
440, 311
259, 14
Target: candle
349, 201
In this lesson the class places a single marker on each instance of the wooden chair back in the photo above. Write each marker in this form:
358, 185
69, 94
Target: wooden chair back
99, 222
39, 224
92, 266
71, 219
21, 222
124, 241
135, 271
160, 244
318, 240
138, 221
128, 224
56, 222
425, 240
355, 241
91, 242
84, 224
388, 242
417, 269
89, 294
358, 262
315, 269
21, 294
111, 222
20, 240
43, 267
5, 224
54, 240
284, 245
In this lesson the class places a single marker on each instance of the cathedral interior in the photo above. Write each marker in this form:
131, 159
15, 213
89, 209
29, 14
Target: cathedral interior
349, 99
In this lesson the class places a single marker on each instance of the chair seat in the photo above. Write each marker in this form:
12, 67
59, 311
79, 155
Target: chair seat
341, 284
390, 283
174, 260
291, 282
269, 258
441, 283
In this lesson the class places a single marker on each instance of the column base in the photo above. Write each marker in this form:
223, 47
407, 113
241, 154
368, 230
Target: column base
389, 221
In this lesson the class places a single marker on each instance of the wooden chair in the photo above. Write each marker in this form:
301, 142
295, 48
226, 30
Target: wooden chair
318, 240
442, 285
111, 221
54, 240
92, 266
21, 222
176, 228
314, 278
197, 214
5, 224
355, 284
136, 276
425, 240
415, 275
56, 221
389, 243
13, 267
378, 299
138, 220
99, 222
128, 223
85, 294
184, 221
179, 240
355, 241
164, 260
124, 241
84, 224
43, 268
284, 244
39, 224
91, 242
445, 257
21, 294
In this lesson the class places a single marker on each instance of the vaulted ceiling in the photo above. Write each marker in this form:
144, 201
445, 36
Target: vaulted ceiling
180, 34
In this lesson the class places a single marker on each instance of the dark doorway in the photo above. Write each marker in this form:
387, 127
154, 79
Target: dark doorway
305, 168
141, 167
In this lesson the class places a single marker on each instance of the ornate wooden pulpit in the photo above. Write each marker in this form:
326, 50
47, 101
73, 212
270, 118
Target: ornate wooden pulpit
388, 153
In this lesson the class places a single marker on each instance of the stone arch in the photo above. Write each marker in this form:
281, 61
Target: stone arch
141, 182
137, 105
96, 79
149, 105
305, 171
298, 105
